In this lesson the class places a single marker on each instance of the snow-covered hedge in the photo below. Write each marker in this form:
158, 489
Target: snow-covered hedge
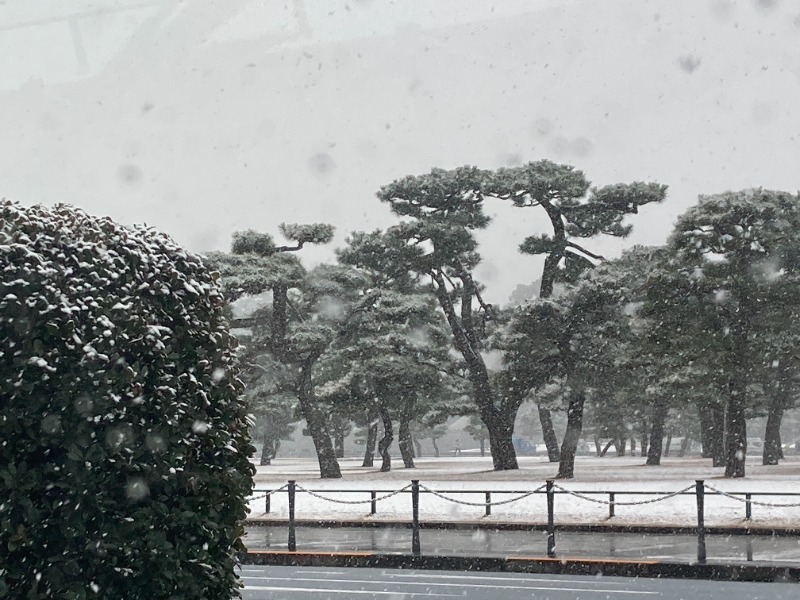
123, 436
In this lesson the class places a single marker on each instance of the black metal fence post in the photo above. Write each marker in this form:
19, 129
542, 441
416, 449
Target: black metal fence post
701, 527
373, 508
415, 545
748, 506
292, 537
488, 504
551, 527
267, 503
611, 506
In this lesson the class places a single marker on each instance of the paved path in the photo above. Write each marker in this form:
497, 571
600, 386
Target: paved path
310, 583
494, 543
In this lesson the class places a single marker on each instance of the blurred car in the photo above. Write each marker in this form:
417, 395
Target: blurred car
523, 446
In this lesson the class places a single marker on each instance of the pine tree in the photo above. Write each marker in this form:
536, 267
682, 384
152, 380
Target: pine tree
438, 245
575, 212
740, 253
308, 312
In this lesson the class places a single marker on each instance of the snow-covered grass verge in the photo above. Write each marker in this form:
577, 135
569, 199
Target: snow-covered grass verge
453, 476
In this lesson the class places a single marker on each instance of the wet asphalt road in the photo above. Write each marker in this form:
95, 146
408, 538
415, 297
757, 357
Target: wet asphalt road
307, 583
493, 543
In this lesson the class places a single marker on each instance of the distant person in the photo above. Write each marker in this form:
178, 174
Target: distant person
457, 451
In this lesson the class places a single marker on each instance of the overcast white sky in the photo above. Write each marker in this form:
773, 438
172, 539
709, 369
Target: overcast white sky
205, 117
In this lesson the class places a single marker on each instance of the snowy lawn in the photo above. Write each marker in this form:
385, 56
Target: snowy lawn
618, 474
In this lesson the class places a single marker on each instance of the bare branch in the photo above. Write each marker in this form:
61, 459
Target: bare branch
585, 251
290, 248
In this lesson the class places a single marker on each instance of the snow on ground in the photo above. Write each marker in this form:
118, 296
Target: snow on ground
461, 474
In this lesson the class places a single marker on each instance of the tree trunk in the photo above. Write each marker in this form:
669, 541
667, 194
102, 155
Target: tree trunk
339, 444
326, 456
633, 446
773, 447
684, 446
773, 450
551, 260
736, 426
497, 416
706, 428
386, 440
266, 459
499, 419
712, 417
404, 434
605, 448
317, 428
620, 445
435, 447
417, 447
315, 419
279, 317
598, 449
668, 444
549, 273
369, 446
660, 410
566, 467
549, 434
737, 366
266, 449
644, 431
501, 429
483, 447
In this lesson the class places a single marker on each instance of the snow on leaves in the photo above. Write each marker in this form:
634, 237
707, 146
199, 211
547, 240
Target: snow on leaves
110, 341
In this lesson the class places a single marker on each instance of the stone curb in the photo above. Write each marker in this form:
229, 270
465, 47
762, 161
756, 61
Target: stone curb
758, 572
516, 526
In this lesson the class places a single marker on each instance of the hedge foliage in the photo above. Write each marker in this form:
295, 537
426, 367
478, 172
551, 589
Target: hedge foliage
123, 434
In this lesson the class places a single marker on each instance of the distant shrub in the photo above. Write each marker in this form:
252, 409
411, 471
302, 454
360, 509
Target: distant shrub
123, 436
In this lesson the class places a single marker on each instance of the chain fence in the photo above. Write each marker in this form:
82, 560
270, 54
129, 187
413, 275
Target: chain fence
269, 493
488, 503
661, 498
482, 504
549, 489
711, 488
338, 501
